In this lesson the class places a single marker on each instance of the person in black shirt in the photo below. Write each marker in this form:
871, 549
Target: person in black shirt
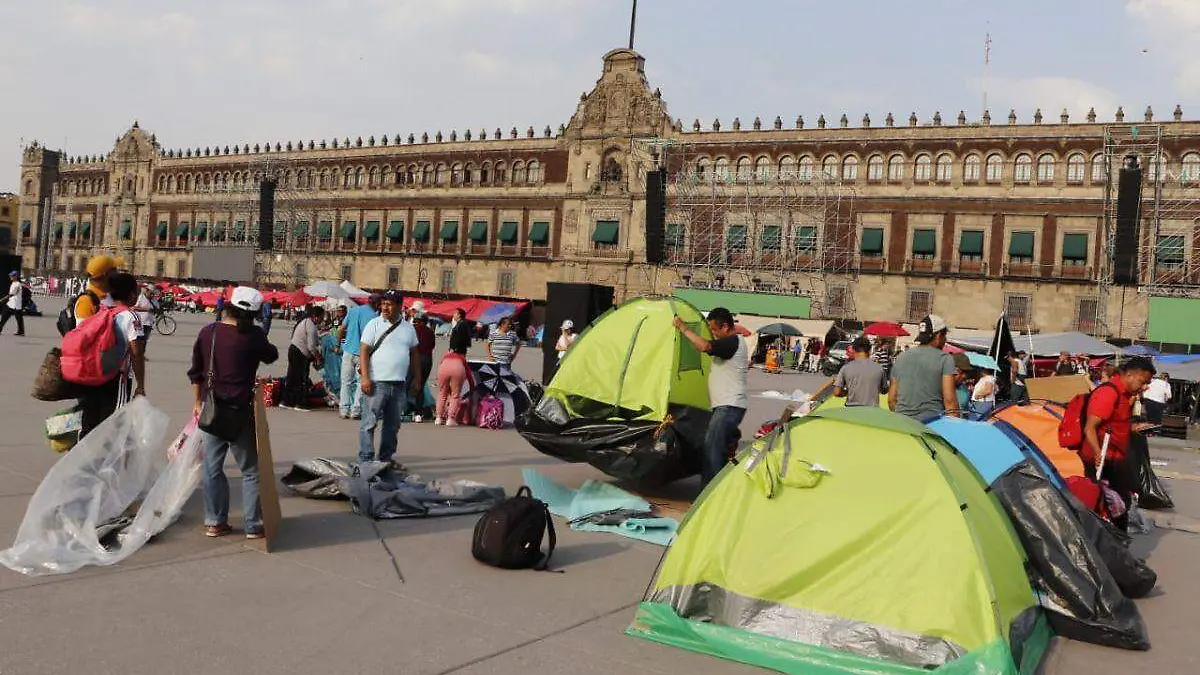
1064, 365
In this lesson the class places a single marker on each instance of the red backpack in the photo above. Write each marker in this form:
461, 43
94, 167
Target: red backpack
1070, 429
91, 354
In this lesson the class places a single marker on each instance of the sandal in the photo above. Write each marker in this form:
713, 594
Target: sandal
217, 530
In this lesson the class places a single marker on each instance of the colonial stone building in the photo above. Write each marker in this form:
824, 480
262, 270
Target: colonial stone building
878, 221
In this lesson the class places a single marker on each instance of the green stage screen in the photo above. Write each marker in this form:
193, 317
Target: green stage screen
745, 302
1174, 320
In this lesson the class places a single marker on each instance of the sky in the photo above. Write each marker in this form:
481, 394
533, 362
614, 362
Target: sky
76, 74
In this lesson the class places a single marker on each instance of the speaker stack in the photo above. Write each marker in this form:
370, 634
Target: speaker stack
266, 214
656, 216
1129, 207
581, 303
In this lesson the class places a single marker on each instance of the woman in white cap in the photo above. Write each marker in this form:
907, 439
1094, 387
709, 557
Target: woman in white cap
225, 359
566, 338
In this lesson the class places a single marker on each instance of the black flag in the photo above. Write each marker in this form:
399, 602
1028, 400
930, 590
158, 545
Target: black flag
1002, 346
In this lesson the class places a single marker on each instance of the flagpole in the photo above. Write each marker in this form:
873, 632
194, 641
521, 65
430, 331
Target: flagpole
987, 59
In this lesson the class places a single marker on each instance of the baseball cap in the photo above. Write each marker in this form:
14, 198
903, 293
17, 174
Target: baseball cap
14, 274
568, 324
247, 298
931, 326
861, 344
961, 362
100, 265
396, 297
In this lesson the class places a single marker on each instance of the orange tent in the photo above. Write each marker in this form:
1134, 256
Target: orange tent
1039, 422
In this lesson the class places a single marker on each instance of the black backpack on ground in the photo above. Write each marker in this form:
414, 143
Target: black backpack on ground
509, 535
66, 318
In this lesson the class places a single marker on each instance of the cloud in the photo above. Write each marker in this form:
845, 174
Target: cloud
483, 64
113, 24
1183, 15
1051, 94
1171, 27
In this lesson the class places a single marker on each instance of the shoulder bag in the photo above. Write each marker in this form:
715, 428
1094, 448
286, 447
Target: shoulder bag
222, 416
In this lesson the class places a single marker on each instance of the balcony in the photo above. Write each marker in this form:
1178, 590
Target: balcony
872, 263
970, 267
539, 252
1019, 268
1066, 271
609, 252
923, 265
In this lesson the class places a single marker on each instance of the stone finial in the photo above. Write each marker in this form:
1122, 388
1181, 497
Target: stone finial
866, 120
821, 121
1037, 116
289, 146
757, 124
562, 128
483, 133
311, 145
716, 125
335, 143
962, 118
987, 117
529, 133
371, 141
657, 93
547, 133
467, 135
425, 137
912, 119
1064, 117
412, 138
889, 121
1012, 116
737, 124
453, 135
1120, 116
1091, 116
189, 152
438, 136
358, 142
384, 140
1178, 114
937, 118
257, 148
512, 133
170, 153
843, 122
800, 121
207, 152
1149, 114
496, 134
696, 125
778, 123
277, 146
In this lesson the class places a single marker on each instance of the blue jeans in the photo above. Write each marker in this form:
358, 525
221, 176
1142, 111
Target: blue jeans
216, 484
722, 430
980, 409
350, 401
384, 406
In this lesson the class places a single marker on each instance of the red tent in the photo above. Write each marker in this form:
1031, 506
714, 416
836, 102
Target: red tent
886, 329
294, 298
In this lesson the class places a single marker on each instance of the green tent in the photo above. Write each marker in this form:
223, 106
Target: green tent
837, 546
630, 397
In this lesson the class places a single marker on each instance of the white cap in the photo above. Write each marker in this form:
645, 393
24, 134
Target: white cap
246, 298
568, 324
418, 307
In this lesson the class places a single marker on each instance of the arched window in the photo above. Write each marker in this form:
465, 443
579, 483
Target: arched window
787, 168
518, 173
387, 177
971, 168
994, 168
944, 169
1045, 169
805, 168
704, 169
1190, 167
170, 183
485, 173
895, 172
335, 179
470, 174
721, 170
358, 177
456, 174
875, 167
501, 174
374, 177
187, 184
535, 172
743, 170
1099, 169
428, 174
28, 187
1022, 169
850, 168
829, 167
762, 169
1154, 168
324, 180
924, 168
1075, 168
443, 174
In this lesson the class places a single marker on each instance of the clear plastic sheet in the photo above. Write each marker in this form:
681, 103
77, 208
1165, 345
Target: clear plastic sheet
97, 486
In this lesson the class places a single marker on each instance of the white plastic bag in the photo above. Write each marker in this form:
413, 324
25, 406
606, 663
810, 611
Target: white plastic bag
120, 461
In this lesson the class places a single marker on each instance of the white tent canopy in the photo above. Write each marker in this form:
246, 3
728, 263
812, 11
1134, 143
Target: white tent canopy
327, 289
354, 291
1042, 344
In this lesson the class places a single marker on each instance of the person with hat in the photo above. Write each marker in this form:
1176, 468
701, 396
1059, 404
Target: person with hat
96, 292
426, 341
566, 338
14, 303
388, 359
98, 402
304, 351
923, 379
1019, 364
350, 402
231, 350
1110, 414
861, 380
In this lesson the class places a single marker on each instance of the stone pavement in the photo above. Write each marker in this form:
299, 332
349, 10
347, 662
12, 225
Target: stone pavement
330, 600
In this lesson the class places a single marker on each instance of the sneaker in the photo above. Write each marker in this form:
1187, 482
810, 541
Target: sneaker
217, 530
356, 416
344, 415
255, 534
418, 419
437, 422
451, 423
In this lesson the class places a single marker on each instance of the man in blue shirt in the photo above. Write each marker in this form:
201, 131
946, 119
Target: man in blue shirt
387, 359
350, 401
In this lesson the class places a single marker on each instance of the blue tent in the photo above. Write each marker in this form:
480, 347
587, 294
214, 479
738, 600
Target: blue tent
1081, 597
496, 312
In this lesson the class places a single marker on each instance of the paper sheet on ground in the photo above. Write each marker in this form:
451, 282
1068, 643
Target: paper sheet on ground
596, 497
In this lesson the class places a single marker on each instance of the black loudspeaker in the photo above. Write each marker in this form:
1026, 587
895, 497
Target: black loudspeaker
656, 216
1129, 207
9, 263
266, 214
581, 303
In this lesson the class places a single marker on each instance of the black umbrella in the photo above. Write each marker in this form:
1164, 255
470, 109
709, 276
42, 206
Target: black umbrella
499, 379
780, 329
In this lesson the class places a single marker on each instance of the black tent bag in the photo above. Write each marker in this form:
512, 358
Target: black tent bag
1081, 598
1152, 494
638, 451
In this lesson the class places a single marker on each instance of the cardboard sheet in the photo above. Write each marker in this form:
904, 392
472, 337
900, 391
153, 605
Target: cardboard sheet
268, 490
1059, 388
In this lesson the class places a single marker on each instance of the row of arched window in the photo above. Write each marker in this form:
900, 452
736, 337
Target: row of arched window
428, 174
927, 167
77, 187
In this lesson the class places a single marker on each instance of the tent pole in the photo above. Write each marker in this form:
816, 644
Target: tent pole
625, 366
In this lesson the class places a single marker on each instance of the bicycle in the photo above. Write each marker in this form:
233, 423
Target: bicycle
164, 323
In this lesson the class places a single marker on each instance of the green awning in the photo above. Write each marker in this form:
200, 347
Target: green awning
371, 230
508, 232
348, 229
478, 232
201, 229
924, 242
421, 231
395, 230
675, 235
735, 237
744, 302
539, 233
1169, 250
58, 229
161, 232
872, 240
219, 229
300, 229
85, 230
1021, 245
806, 239
606, 232
26, 226
970, 242
325, 229
72, 227
449, 231
772, 238
239, 230
1074, 246
182, 229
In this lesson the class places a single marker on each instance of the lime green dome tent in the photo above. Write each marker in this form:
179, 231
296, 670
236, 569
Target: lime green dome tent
854, 541
630, 397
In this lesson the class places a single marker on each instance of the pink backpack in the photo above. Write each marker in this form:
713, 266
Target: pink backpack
491, 413
91, 354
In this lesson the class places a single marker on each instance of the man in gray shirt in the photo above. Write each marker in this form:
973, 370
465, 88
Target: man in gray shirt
923, 378
860, 381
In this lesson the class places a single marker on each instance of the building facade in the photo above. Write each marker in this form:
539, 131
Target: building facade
10, 207
883, 221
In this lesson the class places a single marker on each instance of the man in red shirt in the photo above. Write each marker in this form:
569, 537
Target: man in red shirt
425, 345
1110, 413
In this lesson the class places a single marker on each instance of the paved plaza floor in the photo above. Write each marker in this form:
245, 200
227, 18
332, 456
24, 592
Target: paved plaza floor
330, 600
